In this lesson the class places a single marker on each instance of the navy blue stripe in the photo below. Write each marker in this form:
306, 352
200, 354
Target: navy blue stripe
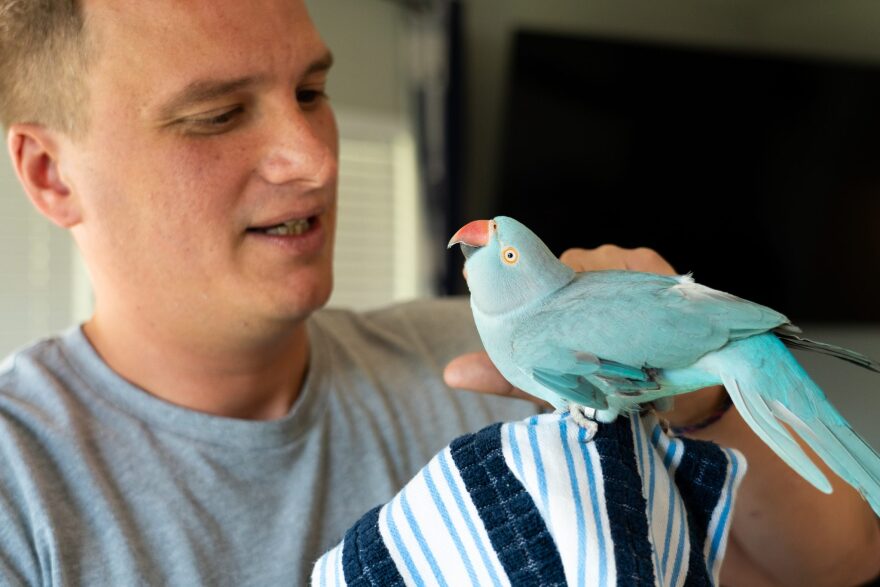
700, 477
365, 559
514, 525
626, 506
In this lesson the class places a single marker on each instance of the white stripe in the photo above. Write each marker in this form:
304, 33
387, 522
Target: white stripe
530, 473
317, 571
610, 564
675, 514
409, 539
644, 453
665, 520
484, 574
681, 534
338, 575
560, 513
323, 573
433, 528
714, 528
396, 555
655, 492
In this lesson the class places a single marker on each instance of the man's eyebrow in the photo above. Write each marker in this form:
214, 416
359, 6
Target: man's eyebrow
209, 89
323, 63
203, 91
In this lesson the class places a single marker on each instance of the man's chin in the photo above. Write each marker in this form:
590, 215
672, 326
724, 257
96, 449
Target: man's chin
305, 302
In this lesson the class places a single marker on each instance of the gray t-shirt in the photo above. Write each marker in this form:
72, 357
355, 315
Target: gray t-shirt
102, 483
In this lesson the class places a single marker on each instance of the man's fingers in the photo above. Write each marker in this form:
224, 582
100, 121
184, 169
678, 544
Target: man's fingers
474, 371
613, 257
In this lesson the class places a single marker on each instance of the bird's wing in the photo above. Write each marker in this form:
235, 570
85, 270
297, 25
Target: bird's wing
637, 319
586, 379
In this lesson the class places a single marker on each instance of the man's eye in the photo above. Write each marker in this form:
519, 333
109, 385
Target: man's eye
309, 97
215, 121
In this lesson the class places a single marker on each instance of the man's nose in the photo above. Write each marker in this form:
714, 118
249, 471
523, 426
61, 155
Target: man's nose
301, 148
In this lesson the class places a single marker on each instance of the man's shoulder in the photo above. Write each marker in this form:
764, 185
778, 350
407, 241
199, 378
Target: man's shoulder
423, 311
35, 382
438, 326
33, 361
429, 316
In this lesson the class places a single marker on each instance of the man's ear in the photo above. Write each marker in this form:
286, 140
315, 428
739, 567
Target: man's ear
35, 152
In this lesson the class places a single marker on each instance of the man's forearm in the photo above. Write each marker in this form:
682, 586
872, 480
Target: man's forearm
783, 527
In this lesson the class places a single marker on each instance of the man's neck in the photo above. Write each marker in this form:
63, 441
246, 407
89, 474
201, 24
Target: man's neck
218, 374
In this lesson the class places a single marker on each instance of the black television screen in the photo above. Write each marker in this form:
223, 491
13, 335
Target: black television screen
758, 173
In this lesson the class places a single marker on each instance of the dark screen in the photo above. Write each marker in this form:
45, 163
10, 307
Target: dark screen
759, 173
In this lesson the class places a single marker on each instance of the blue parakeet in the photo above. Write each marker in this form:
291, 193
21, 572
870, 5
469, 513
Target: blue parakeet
601, 343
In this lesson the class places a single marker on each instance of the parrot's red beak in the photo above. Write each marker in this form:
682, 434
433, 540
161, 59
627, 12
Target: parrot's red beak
473, 234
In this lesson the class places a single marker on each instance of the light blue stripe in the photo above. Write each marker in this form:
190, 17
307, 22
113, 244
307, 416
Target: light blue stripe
722, 519
671, 447
447, 474
444, 513
579, 508
398, 542
670, 452
514, 448
423, 544
324, 569
338, 575
679, 552
597, 513
539, 464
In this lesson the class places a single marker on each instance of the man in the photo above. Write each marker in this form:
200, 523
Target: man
201, 428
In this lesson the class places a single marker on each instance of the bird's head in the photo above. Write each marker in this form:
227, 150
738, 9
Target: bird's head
507, 265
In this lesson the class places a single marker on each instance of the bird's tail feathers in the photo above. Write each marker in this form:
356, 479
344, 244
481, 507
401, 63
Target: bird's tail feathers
843, 449
791, 340
780, 390
759, 416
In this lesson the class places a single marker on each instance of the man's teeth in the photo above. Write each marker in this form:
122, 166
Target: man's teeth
292, 228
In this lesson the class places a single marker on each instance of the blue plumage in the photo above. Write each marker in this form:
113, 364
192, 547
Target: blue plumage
609, 341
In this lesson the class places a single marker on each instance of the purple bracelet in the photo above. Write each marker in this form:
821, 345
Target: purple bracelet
711, 419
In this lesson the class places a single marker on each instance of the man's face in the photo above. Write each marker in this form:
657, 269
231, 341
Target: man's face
207, 126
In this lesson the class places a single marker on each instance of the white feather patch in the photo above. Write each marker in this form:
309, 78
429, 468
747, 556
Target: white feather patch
685, 279
691, 290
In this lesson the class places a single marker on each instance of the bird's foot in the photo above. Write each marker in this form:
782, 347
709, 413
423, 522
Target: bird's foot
585, 418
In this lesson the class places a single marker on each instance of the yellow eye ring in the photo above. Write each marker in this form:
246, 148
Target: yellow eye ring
510, 255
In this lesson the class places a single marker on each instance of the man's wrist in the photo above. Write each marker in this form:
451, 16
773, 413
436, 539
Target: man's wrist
697, 410
719, 412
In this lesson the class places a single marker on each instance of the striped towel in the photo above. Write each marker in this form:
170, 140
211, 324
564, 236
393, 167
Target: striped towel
538, 503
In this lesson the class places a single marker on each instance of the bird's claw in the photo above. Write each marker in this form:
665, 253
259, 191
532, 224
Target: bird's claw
585, 418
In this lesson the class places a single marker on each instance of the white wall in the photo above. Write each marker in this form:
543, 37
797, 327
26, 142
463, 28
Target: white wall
368, 39
36, 260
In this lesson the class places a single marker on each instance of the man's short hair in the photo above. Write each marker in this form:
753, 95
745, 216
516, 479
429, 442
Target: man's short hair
43, 59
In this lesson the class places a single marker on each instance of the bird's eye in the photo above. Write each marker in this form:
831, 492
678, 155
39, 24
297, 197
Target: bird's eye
510, 255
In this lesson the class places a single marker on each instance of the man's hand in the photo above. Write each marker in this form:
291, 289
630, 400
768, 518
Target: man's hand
609, 257
476, 372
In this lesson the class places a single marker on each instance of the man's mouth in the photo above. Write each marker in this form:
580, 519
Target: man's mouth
293, 227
